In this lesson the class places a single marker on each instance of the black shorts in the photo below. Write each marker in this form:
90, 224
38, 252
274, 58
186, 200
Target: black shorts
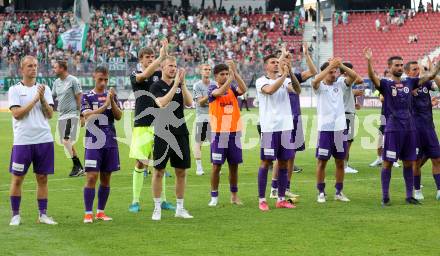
203, 132
179, 154
259, 129
382, 129
67, 128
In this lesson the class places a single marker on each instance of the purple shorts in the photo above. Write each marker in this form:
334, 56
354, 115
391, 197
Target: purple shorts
101, 160
277, 145
331, 143
226, 146
298, 134
400, 145
40, 155
427, 143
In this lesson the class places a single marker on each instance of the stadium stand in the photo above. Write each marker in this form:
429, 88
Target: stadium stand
360, 32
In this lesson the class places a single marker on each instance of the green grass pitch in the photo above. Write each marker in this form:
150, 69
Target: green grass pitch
360, 227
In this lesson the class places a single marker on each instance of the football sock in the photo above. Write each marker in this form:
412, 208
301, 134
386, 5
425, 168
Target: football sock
138, 181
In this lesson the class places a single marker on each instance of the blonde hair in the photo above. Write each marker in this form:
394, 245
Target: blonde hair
25, 58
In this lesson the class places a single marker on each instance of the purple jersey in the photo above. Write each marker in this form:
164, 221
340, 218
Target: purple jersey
398, 103
422, 106
101, 133
294, 98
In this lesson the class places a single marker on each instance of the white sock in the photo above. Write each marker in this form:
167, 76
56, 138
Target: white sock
98, 211
179, 204
157, 203
260, 200
199, 162
281, 199
89, 212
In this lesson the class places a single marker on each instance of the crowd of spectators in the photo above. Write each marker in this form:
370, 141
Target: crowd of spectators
116, 35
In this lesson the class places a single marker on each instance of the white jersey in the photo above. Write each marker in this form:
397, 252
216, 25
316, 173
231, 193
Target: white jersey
330, 106
275, 110
34, 128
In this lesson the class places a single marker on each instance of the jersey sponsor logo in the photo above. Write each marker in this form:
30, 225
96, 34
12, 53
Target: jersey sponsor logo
90, 163
322, 152
391, 154
95, 105
17, 167
216, 156
406, 90
102, 98
269, 152
399, 85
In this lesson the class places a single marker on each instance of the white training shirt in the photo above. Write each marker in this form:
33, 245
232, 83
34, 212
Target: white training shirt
275, 110
349, 102
330, 106
34, 128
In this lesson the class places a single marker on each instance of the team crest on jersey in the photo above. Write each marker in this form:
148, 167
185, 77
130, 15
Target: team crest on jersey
178, 90
425, 90
406, 90
394, 92
155, 78
335, 90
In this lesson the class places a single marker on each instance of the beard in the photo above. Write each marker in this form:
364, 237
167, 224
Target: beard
398, 73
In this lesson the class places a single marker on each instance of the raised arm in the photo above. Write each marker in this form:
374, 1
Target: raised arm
430, 75
368, 56
352, 76
296, 86
334, 63
224, 87
19, 112
117, 112
148, 72
187, 99
242, 88
89, 113
45, 106
162, 102
311, 66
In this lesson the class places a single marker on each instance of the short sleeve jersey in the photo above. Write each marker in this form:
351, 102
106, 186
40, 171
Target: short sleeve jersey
160, 89
33, 128
100, 133
398, 103
422, 106
330, 106
275, 113
143, 97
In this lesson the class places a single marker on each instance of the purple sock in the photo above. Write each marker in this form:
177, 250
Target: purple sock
385, 177
89, 196
339, 186
437, 180
103, 193
321, 187
282, 182
275, 183
42, 205
417, 181
234, 188
262, 182
409, 181
214, 193
288, 185
15, 205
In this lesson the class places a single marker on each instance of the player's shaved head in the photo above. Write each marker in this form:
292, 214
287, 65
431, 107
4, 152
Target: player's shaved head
29, 66
26, 59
